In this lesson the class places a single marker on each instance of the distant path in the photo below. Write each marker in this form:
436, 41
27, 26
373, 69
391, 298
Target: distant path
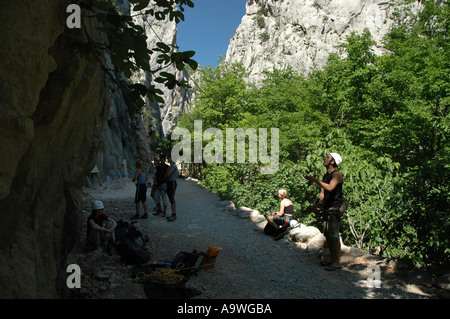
251, 264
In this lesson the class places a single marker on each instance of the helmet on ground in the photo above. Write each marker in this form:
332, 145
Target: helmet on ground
96, 204
337, 158
293, 223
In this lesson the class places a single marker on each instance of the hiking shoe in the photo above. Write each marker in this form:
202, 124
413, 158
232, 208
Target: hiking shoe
159, 211
135, 217
144, 216
172, 218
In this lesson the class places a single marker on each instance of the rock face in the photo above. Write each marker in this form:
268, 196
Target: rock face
176, 100
302, 33
123, 141
53, 107
125, 136
60, 117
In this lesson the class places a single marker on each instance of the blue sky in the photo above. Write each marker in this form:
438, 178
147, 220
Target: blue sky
208, 27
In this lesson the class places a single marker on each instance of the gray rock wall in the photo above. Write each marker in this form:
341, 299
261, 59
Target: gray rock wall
302, 33
125, 136
53, 107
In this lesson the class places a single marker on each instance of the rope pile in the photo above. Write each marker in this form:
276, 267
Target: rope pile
164, 275
170, 276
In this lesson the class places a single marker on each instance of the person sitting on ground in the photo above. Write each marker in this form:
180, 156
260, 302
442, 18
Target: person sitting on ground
141, 190
282, 217
100, 228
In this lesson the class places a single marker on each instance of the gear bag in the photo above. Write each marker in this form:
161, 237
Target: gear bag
130, 244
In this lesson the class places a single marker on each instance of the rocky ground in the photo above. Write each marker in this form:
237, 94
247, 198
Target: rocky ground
250, 264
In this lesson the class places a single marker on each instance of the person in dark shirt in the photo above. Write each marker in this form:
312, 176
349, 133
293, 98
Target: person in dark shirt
160, 194
332, 199
286, 212
140, 178
171, 180
99, 226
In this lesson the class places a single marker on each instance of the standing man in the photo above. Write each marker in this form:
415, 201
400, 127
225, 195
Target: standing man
161, 185
171, 180
331, 196
140, 178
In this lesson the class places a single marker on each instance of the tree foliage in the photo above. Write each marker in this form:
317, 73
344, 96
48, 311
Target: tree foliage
387, 115
126, 45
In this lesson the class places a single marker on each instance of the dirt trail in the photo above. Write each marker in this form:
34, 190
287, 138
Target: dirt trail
250, 264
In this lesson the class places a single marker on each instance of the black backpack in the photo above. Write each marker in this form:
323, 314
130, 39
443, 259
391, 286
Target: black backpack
130, 244
271, 231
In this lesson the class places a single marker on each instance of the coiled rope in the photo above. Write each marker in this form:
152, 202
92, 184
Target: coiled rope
163, 275
170, 276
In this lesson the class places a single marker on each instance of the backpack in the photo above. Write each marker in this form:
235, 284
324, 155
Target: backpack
271, 231
132, 253
130, 244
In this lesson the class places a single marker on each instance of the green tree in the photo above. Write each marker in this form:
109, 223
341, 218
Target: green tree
220, 96
127, 46
387, 115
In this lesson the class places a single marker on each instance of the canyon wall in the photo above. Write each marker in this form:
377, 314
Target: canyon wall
53, 106
302, 33
61, 116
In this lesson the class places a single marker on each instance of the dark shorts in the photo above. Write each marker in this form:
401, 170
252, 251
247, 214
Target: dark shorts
141, 193
171, 188
331, 224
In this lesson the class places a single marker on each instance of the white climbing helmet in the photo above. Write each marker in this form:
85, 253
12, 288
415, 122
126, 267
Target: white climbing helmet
337, 158
96, 204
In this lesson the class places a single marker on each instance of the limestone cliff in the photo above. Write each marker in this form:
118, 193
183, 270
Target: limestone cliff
53, 106
61, 115
125, 135
176, 100
302, 33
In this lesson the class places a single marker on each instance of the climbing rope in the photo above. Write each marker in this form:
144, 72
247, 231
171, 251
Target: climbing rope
170, 276
164, 275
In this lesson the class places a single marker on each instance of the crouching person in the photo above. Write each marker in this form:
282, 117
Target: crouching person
100, 228
278, 221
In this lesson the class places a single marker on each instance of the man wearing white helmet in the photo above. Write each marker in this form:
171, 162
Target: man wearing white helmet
333, 205
99, 226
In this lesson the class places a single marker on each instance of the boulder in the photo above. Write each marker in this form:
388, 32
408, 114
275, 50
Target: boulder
317, 243
443, 282
304, 234
245, 212
355, 252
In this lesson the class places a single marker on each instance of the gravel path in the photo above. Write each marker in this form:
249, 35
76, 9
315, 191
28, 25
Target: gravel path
250, 264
